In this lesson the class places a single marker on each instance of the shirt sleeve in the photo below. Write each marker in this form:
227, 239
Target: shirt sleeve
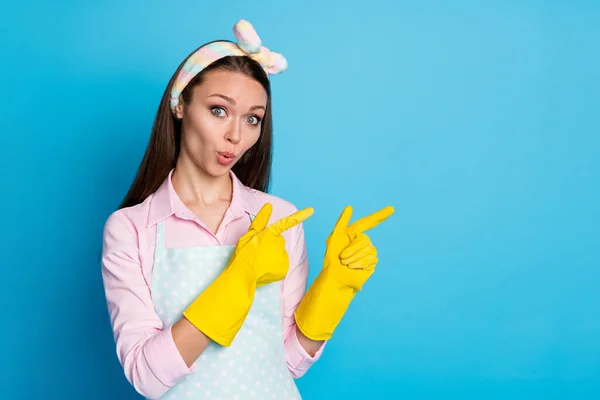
294, 288
145, 349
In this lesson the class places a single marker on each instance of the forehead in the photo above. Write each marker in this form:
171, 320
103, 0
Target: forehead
235, 85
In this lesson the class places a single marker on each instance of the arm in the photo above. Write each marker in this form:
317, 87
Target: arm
350, 260
300, 351
189, 340
154, 357
309, 345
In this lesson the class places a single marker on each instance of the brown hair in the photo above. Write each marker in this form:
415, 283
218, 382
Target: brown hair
253, 169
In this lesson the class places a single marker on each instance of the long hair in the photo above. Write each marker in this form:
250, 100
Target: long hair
253, 169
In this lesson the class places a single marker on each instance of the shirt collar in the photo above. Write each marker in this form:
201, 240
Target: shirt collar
165, 202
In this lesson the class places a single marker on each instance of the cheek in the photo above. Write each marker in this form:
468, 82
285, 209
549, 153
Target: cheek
251, 138
200, 133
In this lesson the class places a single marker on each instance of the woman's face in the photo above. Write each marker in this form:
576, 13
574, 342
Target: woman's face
222, 121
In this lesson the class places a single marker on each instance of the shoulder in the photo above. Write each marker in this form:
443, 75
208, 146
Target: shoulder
281, 207
126, 224
252, 200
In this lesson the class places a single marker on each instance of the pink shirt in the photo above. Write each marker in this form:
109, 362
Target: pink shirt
145, 347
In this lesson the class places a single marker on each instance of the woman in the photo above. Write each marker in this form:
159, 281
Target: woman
204, 272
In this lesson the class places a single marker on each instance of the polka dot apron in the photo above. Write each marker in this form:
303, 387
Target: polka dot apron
254, 366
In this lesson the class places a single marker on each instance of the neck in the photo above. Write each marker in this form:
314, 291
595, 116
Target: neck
195, 187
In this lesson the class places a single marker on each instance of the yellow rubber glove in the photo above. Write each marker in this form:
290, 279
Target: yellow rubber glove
350, 259
259, 258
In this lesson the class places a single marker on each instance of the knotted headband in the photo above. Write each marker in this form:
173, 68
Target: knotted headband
248, 44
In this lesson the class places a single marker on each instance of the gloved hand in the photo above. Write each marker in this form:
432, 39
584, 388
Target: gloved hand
259, 258
350, 259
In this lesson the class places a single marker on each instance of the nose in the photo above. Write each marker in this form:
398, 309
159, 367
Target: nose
234, 133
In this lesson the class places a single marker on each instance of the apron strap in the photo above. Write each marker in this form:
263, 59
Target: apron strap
160, 236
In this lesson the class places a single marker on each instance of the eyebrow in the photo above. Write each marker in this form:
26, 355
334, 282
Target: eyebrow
232, 101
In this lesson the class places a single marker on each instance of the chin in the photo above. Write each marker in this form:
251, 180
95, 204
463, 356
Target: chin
217, 170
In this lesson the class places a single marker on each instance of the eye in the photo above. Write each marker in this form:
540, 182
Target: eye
218, 111
253, 120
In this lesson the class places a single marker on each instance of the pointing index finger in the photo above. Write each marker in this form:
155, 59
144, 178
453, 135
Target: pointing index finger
262, 218
290, 221
342, 222
371, 221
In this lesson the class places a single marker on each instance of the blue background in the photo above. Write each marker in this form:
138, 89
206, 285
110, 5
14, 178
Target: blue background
478, 121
